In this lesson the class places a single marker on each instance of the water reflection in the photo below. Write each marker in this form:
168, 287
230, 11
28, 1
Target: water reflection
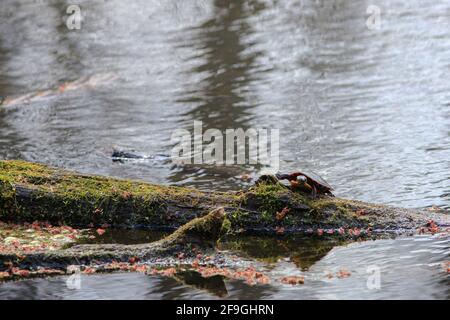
8, 139
222, 98
214, 285
226, 67
69, 56
302, 251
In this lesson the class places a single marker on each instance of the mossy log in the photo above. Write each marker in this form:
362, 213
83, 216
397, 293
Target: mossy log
30, 191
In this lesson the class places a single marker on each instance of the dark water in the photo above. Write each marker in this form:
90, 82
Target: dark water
367, 109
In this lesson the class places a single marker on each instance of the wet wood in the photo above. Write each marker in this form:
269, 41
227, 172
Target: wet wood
30, 191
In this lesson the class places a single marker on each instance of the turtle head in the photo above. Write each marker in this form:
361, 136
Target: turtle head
282, 176
303, 181
288, 176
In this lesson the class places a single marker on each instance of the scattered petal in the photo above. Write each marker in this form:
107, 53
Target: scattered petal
100, 231
343, 274
293, 280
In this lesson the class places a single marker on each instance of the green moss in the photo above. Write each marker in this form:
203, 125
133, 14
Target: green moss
324, 205
267, 217
268, 197
238, 218
199, 230
226, 227
30, 191
289, 220
265, 189
67, 197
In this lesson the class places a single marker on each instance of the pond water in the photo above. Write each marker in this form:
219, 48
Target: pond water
369, 109
401, 268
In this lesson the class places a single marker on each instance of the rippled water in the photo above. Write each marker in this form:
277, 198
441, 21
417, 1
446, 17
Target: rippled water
367, 109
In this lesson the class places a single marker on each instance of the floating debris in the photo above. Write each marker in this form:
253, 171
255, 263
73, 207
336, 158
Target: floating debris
343, 274
245, 177
293, 280
431, 227
85, 82
36, 237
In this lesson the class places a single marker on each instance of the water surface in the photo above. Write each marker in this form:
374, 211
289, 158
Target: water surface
367, 109
408, 268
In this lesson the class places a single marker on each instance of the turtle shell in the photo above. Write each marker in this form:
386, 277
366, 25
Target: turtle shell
318, 180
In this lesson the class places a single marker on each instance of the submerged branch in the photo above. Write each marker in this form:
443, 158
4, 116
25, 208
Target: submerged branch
200, 233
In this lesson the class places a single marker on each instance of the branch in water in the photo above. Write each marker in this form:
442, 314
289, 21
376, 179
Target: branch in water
201, 233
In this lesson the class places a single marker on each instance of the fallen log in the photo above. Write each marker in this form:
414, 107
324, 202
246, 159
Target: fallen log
31, 191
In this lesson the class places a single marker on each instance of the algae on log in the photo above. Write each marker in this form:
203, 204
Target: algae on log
30, 191
200, 233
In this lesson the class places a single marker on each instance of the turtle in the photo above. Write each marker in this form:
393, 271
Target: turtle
309, 181
120, 154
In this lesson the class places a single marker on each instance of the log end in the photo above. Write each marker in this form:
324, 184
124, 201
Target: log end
203, 231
